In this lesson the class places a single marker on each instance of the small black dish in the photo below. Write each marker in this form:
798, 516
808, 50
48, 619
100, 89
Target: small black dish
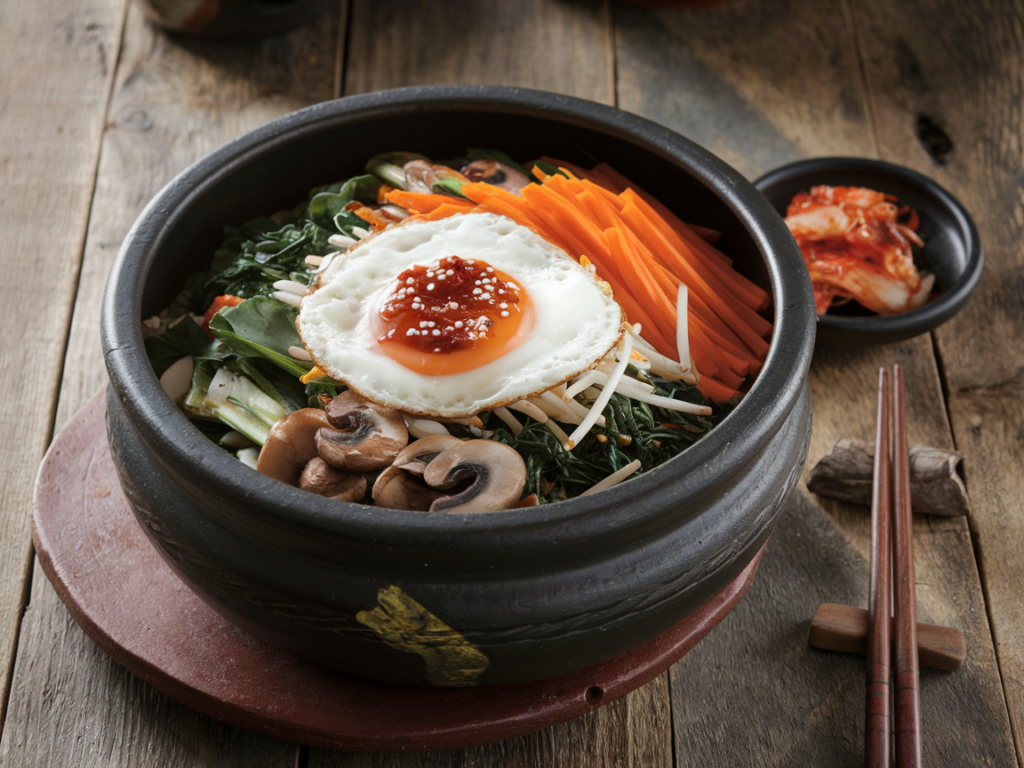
952, 247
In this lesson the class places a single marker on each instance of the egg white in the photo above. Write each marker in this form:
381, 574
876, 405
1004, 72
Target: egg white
575, 322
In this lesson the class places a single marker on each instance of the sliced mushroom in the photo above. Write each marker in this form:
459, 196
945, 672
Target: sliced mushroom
401, 489
498, 174
365, 436
291, 444
321, 478
416, 456
421, 176
416, 176
497, 471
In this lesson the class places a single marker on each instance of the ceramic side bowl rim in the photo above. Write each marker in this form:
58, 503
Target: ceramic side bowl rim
723, 452
934, 313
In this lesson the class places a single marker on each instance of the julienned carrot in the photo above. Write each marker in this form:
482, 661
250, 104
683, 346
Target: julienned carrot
575, 170
641, 284
753, 295
419, 202
604, 211
681, 259
629, 246
507, 204
371, 217
726, 312
716, 390
442, 212
719, 332
717, 275
713, 291
617, 182
513, 206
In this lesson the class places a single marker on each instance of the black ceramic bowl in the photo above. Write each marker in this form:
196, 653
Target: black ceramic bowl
527, 593
952, 248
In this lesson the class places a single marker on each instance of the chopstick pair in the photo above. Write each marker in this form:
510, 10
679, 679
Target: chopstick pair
892, 538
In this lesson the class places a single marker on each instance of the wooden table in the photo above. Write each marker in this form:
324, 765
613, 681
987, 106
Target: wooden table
98, 109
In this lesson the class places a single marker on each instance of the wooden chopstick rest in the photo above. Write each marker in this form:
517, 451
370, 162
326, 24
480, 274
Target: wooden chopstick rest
844, 628
845, 473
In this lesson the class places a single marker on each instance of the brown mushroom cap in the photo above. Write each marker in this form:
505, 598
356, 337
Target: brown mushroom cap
365, 436
398, 488
416, 456
498, 473
498, 174
321, 478
421, 176
416, 176
291, 444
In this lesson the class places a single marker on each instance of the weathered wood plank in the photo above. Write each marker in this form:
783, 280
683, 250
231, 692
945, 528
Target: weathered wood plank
551, 45
763, 84
631, 732
560, 46
755, 693
174, 100
948, 81
760, 84
55, 75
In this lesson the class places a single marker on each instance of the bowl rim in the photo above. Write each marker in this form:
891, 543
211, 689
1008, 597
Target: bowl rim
916, 321
718, 456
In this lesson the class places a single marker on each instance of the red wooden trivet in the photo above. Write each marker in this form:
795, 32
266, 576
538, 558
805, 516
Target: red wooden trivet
118, 588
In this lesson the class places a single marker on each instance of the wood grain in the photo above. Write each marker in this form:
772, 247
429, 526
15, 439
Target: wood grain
547, 44
937, 70
554, 45
762, 84
50, 128
175, 99
631, 732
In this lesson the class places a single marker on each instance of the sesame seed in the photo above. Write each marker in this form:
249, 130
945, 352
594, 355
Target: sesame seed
504, 314
430, 287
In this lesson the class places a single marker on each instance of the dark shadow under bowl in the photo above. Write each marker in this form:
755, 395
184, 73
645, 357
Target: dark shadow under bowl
952, 249
454, 599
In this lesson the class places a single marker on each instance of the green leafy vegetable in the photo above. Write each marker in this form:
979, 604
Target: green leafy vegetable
183, 339
263, 327
327, 209
633, 430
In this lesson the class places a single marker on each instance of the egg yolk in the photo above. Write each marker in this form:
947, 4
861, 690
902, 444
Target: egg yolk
451, 316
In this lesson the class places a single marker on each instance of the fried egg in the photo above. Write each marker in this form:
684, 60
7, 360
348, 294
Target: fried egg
451, 317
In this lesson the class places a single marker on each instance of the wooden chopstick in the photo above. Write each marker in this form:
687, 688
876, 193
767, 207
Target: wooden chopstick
877, 747
907, 676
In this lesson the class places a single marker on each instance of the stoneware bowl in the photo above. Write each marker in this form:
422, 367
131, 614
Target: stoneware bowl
952, 249
454, 599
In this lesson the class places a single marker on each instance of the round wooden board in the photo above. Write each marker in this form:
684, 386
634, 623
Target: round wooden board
127, 599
